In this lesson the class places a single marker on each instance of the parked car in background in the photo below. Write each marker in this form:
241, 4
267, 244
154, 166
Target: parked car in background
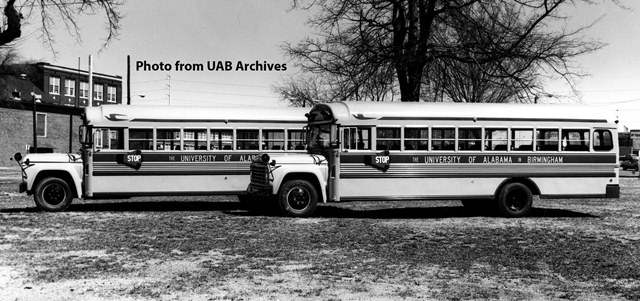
629, 162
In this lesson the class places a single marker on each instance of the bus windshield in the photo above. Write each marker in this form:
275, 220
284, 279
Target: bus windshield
318, 138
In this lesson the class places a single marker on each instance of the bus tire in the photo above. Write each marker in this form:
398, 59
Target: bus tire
52, 194
297, 198
515, 200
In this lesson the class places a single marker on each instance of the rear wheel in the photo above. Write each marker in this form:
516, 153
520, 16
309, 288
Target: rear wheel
52, 194
515, 200
297, 198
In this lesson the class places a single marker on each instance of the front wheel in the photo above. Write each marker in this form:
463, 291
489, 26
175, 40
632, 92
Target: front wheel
52, 194
297, 198
515, 200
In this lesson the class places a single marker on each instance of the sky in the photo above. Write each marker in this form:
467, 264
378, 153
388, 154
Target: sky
199, 32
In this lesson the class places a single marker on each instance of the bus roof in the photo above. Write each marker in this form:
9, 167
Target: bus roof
357, 112
118, 115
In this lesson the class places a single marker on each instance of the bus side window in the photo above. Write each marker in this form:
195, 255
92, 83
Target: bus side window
469, 139
141, 139
295, 140
547, 139
416, 138
575, 140
247, 139
195, 139
221, 139
495, 139
168, 139
602, 140
521, 140
388, 139
273, 139
356, 138
443, 138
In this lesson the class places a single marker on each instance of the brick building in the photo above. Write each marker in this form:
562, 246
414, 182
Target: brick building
63, 95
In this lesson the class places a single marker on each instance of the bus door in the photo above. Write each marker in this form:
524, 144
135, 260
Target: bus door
355, 145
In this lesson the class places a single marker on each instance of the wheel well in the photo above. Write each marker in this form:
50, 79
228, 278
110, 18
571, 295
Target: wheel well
311, 178
525, 181
64, 175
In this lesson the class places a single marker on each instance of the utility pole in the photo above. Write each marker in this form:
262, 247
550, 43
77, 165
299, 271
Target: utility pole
90, 81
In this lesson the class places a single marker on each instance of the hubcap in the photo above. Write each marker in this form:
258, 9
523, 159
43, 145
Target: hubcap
516, 200
53, 194
298, 198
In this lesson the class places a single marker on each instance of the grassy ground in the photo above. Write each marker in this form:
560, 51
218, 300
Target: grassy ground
210, 248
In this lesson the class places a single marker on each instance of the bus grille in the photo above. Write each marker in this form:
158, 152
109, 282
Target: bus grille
259, 175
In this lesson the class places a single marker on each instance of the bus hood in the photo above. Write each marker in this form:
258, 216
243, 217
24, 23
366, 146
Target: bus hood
297, 159
52, 158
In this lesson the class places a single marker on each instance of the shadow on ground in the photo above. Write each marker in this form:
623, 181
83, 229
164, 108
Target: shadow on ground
323, 211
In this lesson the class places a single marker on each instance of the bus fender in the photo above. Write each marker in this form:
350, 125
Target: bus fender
70, 173
312, 175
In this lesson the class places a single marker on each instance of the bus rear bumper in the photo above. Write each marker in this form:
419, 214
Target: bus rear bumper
613, 191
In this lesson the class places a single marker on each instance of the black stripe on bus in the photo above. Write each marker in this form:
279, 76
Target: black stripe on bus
496, 119
215, 120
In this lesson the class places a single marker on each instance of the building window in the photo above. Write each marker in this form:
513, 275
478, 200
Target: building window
84, 90
69, 87
111, 94
54, 85
41, 125
97, 92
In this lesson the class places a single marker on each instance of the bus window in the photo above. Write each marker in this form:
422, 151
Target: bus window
416, 138
495, 139
295, 140
141, 139
195, 139
547, 139
247, 139
469, 139
575, 140
443, 139
357, 139
273, 139
221, 139
521, 140
388, 139
602, 140
167, 139
109, 139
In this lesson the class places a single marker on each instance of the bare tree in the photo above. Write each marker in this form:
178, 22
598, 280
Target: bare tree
50, 13
461, 50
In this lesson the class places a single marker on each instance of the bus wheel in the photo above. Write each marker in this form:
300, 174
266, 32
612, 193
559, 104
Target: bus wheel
297, 198
52, 194
515, 200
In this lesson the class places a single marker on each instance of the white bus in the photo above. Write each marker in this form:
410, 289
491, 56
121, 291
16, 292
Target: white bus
497, 155
161, 150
